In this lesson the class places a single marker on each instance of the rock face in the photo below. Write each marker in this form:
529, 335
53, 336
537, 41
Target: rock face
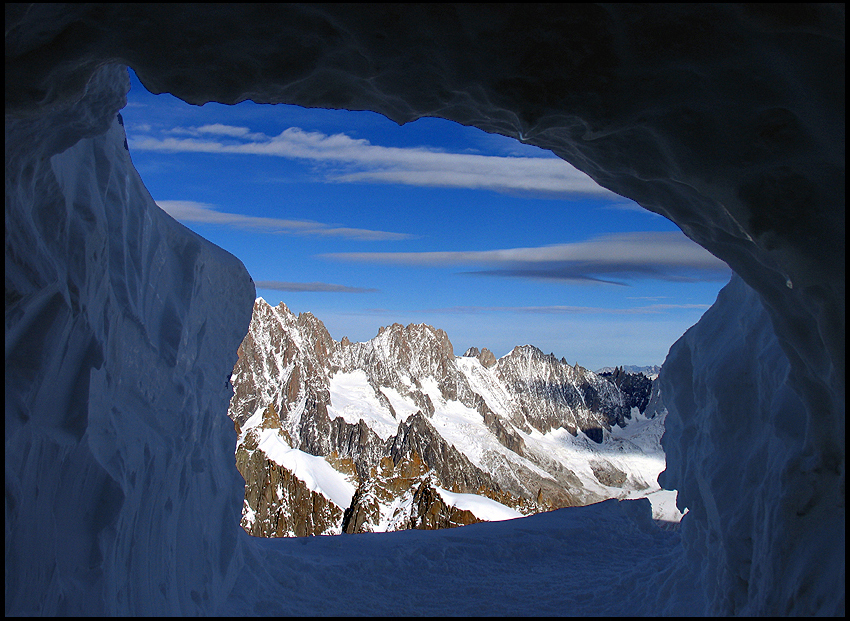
485, 356
121, 325
279, 503
404, 403
400, 497
551, 394
637, 387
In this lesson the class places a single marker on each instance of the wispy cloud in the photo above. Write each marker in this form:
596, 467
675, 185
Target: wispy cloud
192, 211
351, 160
302, 287
217, 129
652, 309
607, 259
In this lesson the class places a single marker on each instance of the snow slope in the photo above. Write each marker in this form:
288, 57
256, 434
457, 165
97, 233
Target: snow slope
318, 475
354, 400
595, 560
121, 326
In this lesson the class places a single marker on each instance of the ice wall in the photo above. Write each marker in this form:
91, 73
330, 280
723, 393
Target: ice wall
765, 533
729, 119
121, 335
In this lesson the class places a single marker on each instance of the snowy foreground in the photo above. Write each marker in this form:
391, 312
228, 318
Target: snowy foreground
596, 560
121, 328
603, 559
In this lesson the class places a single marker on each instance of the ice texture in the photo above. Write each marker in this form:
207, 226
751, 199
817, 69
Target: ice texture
121, 334
121, 325
759, 515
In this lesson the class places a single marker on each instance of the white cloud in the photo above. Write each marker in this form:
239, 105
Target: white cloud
224, 130
215, 129
357, 160
652, 309
191, 211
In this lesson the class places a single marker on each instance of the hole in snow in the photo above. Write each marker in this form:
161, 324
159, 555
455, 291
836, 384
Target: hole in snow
364, 224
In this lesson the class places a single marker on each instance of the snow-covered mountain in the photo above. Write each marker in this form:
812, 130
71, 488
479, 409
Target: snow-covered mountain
398, 432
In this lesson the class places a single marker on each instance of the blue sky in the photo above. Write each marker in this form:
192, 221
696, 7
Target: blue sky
364, 223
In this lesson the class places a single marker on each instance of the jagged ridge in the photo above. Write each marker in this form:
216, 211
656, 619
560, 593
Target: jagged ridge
475, 425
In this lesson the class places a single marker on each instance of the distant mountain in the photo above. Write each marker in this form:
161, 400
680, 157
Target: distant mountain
650, 371
398, 432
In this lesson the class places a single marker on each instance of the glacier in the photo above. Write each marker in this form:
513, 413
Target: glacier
122, 496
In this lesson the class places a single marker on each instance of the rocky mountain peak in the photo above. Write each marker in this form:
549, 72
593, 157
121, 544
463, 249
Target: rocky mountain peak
485, 356
553, 394
400, 357
420, 336
404, 417
318, 340
636, 386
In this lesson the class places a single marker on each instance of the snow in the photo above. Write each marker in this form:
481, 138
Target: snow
121, 338
122, 497
480, 506
463, 428
634, 449
591, 560
354, 400
317, 474
484, 382
403, 408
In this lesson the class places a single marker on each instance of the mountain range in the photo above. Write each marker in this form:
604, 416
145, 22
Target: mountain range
398, 432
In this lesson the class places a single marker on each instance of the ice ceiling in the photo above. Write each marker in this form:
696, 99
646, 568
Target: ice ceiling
727, 119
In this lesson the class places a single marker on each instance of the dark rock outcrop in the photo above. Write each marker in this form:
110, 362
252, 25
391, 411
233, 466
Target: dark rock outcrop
399, 496
636, 387
278, 503
553, 394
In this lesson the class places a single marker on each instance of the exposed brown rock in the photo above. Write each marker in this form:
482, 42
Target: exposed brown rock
411, 488
431, 512
279, 504
608, 474
487, 358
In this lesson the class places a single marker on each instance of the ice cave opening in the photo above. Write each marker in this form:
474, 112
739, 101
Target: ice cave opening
121, 325
178, 177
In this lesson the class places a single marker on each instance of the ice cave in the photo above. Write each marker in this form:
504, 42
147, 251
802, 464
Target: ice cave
122, 496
